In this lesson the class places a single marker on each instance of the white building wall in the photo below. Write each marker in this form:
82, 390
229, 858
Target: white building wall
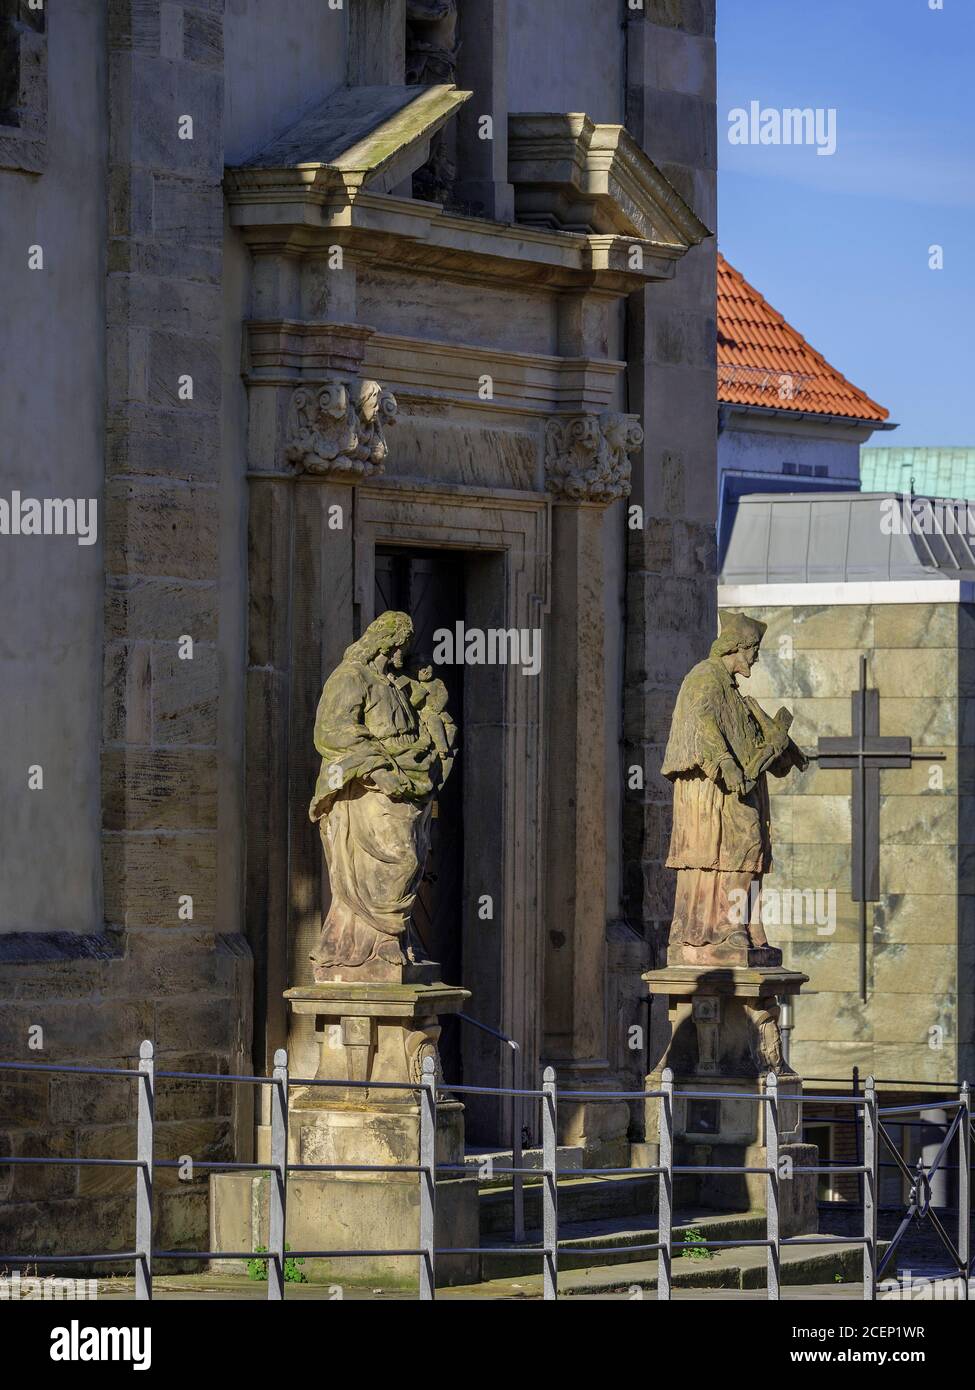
766, 450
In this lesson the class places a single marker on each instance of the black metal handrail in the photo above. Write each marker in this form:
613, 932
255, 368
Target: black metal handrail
517, 1094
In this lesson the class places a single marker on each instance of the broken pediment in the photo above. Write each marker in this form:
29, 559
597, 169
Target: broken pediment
358, 137
587, 193
570, 174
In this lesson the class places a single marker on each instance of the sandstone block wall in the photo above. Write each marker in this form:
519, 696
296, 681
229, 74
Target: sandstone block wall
156, 967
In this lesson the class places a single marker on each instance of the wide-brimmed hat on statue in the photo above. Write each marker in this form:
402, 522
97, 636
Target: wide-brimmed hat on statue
737, 631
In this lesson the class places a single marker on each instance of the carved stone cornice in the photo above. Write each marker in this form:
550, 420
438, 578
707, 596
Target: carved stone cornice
281, 214
301, 348
587, 456
338, 428
571, 173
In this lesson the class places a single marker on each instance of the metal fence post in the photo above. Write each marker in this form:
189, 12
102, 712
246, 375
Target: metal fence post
550, 1214
858, 1137
665, 1203
517, 1156
428, 1179
871, 1161
143, 1174
277, 1213
772, 1228
965, 1185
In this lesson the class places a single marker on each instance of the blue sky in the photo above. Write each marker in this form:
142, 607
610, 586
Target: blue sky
839, 244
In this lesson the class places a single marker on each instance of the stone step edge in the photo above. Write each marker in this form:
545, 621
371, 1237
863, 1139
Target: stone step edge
718, 1227
796, 1267
505, 1260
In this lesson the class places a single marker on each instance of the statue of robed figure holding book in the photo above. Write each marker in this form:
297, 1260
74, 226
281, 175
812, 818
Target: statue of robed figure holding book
723, 747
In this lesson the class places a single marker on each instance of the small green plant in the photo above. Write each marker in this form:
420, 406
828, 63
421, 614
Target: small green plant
690, 1252
257, 1269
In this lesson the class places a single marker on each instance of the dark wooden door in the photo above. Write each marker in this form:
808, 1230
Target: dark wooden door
429, 586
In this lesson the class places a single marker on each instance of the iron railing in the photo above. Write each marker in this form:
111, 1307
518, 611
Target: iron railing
515, 1120
874, 1132
932, 1101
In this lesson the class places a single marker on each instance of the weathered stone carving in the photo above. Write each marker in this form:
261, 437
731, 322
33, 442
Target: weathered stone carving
421, 1044
722, 746
587, 457
767, 1039
431, 58
338, 428
387, 745
431, 42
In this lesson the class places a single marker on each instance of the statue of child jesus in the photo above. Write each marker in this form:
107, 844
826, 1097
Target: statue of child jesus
428, 696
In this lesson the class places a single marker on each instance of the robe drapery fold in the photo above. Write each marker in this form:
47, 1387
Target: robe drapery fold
375, 849
375, 844
720, 843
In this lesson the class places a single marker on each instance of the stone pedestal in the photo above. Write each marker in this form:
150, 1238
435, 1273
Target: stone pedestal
724, 1038
374, 1032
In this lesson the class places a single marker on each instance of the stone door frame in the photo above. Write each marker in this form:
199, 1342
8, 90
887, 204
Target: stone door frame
312, 545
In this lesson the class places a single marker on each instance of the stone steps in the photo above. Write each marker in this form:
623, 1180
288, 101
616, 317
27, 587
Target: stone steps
588, 1236
580, 1199
727, 1269
498, 1163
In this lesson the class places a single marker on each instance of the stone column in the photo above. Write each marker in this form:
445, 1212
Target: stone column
587, 468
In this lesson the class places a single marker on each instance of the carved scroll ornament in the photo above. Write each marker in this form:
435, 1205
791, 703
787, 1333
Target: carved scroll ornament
339, 428
587, 457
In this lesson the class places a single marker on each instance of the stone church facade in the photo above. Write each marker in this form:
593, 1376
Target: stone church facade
381, 304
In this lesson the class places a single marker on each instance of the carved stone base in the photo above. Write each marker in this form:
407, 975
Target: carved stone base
724, 1040
723, 954
724, 1020
379, 971
376, 1033
373, 1031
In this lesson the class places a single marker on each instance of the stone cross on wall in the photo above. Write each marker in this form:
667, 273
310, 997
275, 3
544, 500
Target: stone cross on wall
864, 753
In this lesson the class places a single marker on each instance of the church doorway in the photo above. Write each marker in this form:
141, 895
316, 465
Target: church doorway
445, 558
429, 585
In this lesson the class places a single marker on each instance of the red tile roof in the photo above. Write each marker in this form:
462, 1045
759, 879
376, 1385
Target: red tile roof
763, 361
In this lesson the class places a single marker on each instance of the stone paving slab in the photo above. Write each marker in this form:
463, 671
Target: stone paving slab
740, 1272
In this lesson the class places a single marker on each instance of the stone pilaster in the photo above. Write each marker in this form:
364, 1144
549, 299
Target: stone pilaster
317, 428
587, 467
671, 607
163, 438
482, 68
161, 705
377, 43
